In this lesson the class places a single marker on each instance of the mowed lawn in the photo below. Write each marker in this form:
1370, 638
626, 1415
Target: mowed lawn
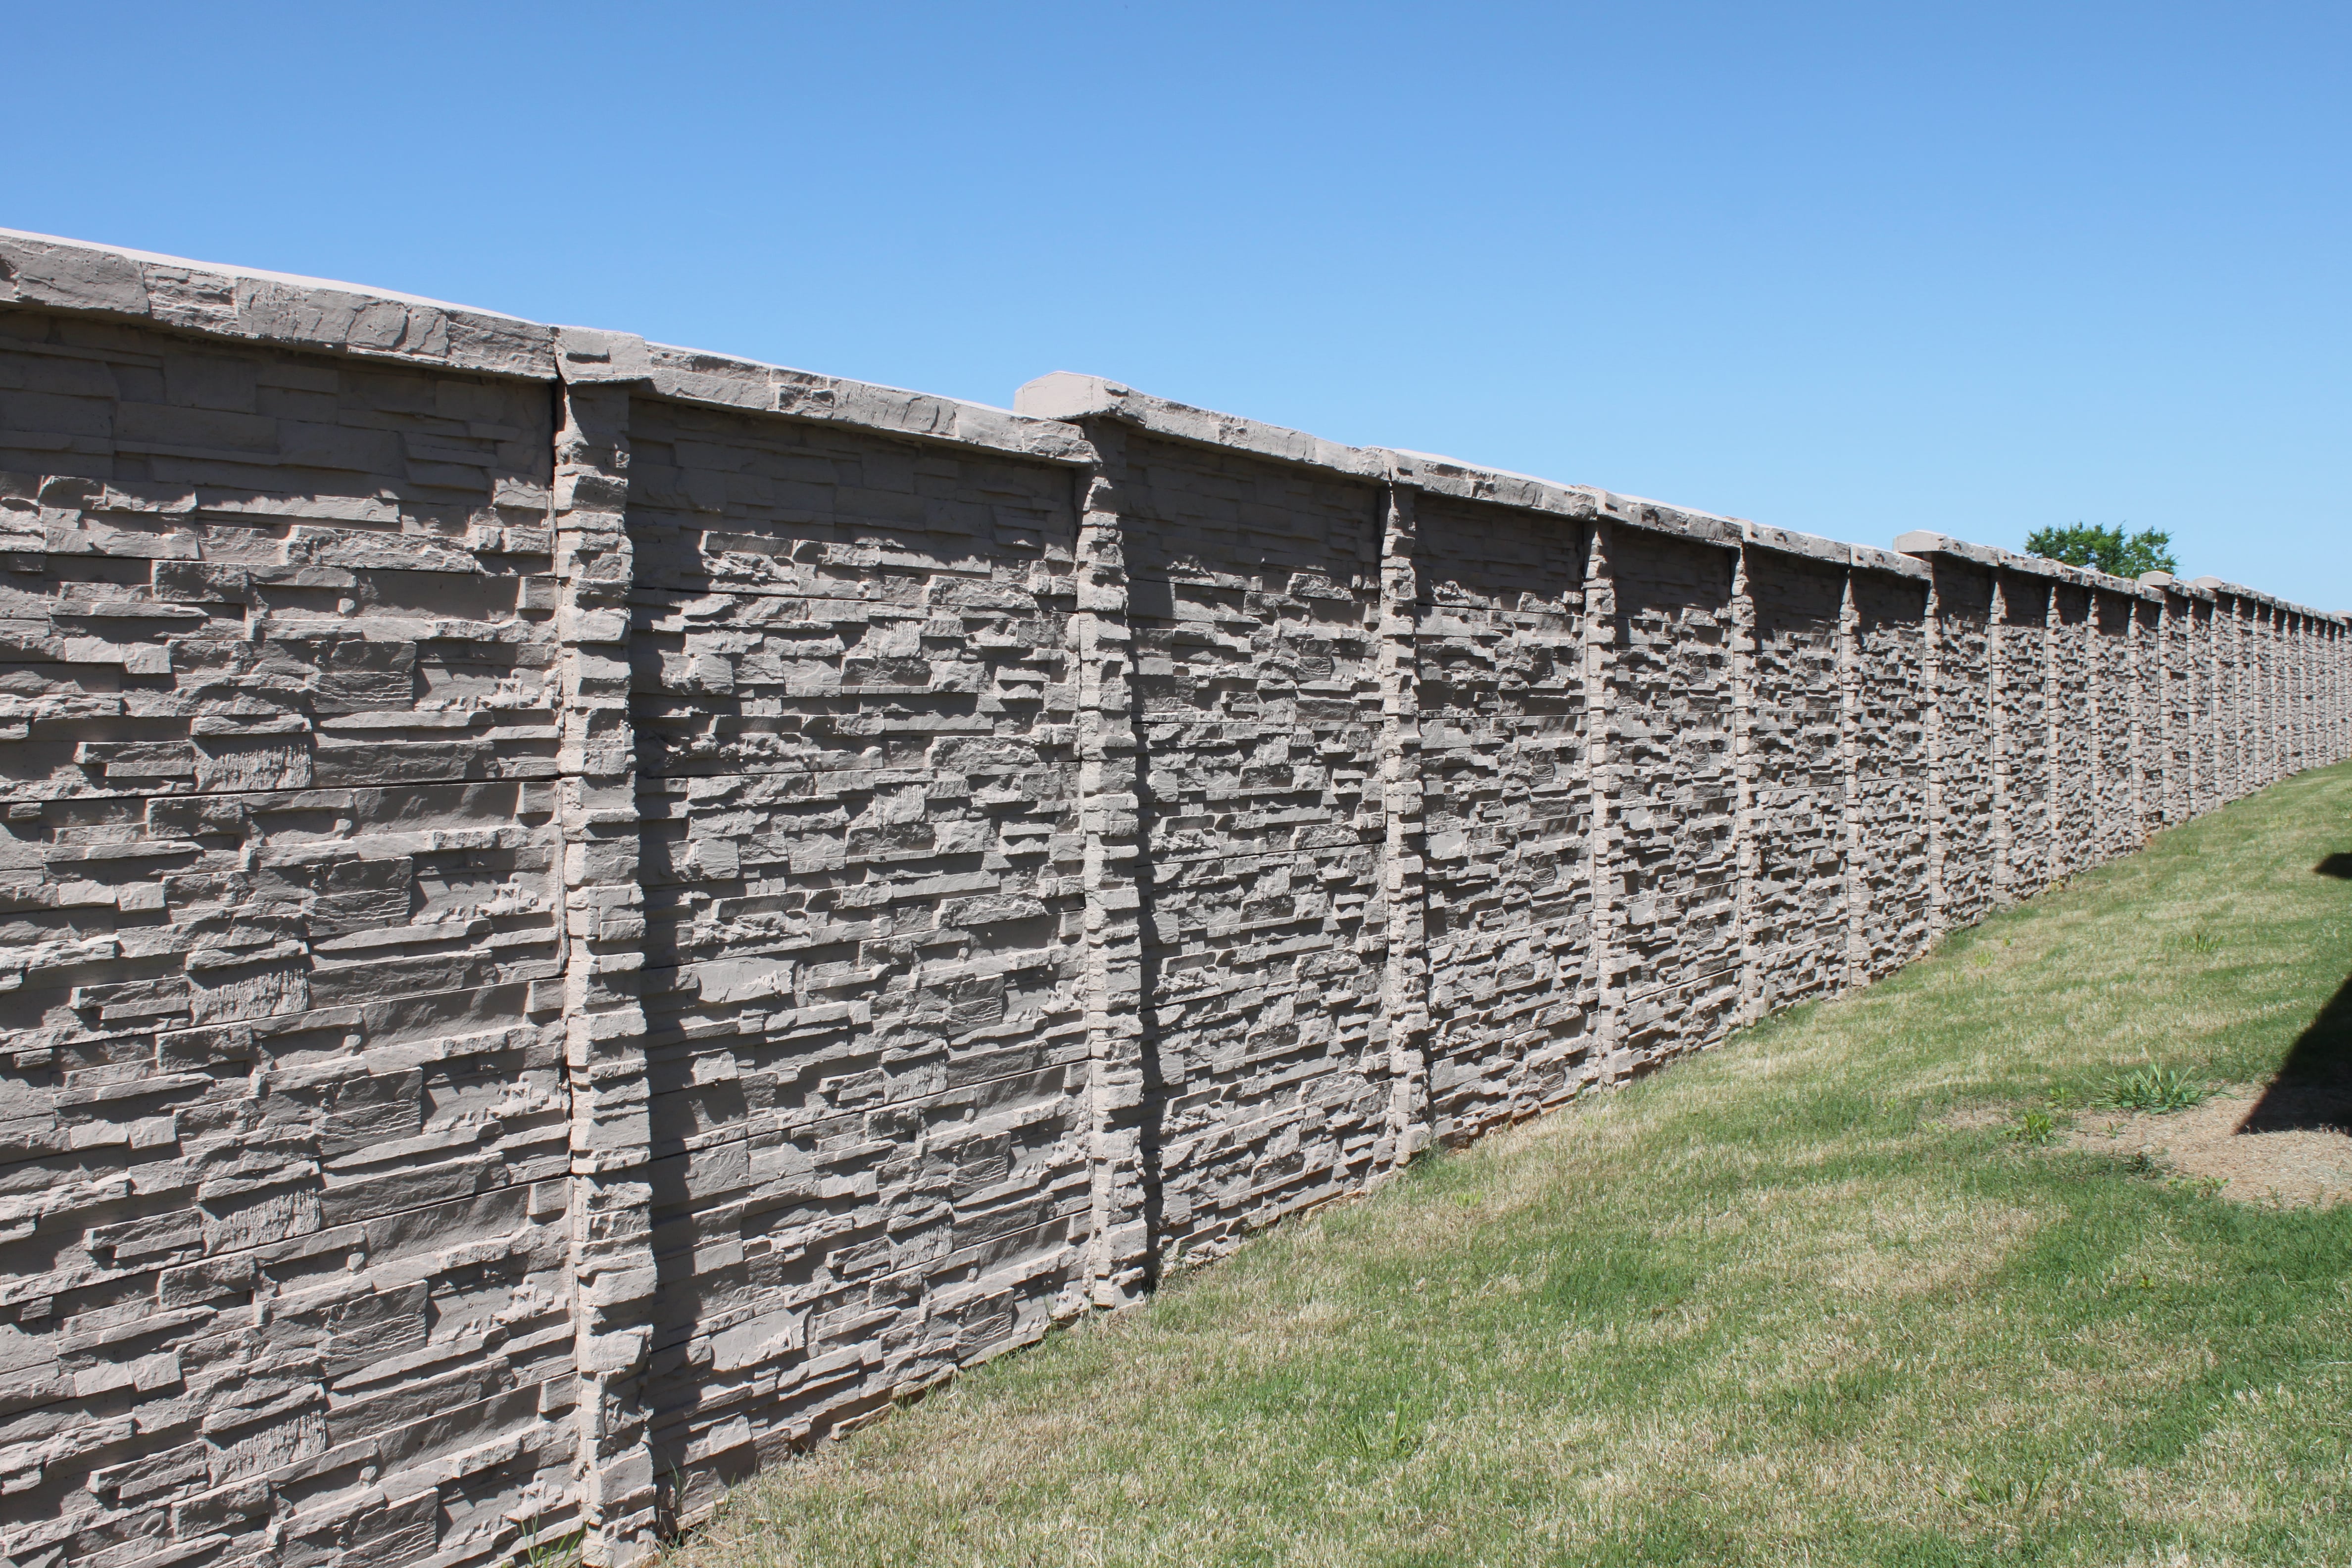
1808, 1299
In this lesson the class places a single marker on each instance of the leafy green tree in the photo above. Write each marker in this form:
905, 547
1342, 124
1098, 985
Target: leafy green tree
2106, 549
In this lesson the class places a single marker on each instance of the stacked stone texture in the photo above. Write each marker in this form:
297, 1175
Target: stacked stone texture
581, 916
1796, 905
1964, 730
865, 1029
1887, 893
1670, 980
1506, 812
286, 1114
1253, 604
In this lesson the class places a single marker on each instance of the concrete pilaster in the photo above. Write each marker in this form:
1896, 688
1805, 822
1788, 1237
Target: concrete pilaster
1119, 1249
1404, 1002
1855, 970
1745, 848
612, 1253
1600, 643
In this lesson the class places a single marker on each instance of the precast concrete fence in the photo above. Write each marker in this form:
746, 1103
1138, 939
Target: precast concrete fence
581, 915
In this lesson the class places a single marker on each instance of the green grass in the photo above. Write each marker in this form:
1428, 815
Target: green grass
2155, 1089
1830, 1294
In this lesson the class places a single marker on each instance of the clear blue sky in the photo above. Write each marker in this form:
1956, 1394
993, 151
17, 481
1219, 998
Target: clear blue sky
1850, 270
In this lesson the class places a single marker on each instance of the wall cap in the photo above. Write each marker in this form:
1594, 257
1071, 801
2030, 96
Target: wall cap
40, 271
1452, 476
1066, 394
1924, 542
45, 272
2150, 585
724, 381
2219, 587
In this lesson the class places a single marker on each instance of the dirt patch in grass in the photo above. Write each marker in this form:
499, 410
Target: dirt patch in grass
2302, 1167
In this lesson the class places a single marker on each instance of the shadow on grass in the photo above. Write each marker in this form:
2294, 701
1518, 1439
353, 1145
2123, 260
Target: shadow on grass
2313, 1089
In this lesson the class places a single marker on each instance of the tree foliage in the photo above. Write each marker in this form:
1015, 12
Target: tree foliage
2106, 550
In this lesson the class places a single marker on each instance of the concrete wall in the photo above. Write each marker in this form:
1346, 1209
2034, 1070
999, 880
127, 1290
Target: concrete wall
579, 916
283, 1246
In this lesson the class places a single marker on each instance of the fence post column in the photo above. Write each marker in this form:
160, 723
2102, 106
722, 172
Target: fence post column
1931, 675
1746, 852
1600, 638
611, 1198
2053, 778
1403, 887
1855, 971
1996, 725
1119, 1258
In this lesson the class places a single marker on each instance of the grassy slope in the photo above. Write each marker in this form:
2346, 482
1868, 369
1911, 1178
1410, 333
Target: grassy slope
1786, 1302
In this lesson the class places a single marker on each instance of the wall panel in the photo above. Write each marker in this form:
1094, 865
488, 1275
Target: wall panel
1254, 597
1677, 949
853, 695
1797, 909
1508, 810
282, 1128
1889, 740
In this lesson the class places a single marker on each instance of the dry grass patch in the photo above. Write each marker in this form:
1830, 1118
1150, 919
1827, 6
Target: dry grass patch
1860, 1239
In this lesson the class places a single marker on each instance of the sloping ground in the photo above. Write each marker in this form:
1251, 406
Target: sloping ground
1809, 1299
